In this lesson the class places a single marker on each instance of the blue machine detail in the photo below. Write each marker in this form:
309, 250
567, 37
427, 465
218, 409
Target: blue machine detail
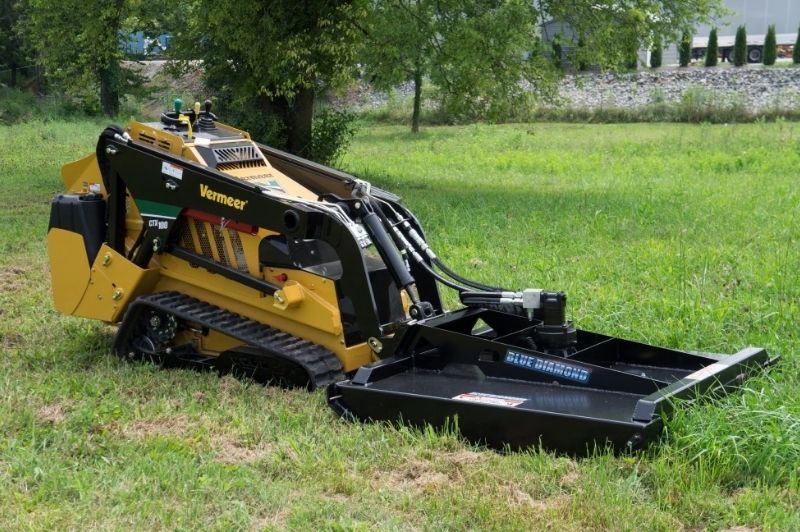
557, 369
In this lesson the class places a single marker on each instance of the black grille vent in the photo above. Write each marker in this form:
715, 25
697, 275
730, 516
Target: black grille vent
209, 235
233, 157
144, 137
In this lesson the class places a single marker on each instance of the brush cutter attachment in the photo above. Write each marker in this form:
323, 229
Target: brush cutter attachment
498, 389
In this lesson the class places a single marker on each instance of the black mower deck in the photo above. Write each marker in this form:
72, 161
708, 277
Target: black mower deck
610, 391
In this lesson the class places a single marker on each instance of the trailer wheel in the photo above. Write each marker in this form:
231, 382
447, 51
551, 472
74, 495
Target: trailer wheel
755, 54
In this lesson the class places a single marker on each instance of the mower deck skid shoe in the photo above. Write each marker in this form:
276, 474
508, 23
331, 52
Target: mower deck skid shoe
499, 391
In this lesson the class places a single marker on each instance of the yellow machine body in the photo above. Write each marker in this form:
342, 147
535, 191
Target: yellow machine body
306, 306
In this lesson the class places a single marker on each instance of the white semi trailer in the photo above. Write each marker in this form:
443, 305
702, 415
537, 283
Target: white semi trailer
755, 45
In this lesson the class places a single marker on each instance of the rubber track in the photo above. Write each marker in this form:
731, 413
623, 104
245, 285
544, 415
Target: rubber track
320, 364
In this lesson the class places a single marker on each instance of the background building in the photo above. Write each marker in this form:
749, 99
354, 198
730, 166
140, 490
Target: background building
755, 15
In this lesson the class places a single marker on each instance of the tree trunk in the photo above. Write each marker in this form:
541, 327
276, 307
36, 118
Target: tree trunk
109, 88
298, 123
296, 118
109, 73
13, 75
417, 100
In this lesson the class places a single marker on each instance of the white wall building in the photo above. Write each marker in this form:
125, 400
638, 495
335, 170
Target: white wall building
756, 16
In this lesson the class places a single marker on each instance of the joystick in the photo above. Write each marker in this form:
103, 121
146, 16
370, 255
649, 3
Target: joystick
206, 120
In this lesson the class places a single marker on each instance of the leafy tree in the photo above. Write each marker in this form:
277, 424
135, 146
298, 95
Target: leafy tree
770, 46
580, 53
12, 55
78, 44
266, 62
557, 51
632, 60
656, 55
796, 50
477, 53
740, 47
612, 28
685, 49
712, 50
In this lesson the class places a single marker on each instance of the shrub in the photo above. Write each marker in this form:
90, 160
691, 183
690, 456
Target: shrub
796, 51
557, 51
581, 55
656, 55
712, 50
685, 49
15, 105
631, 59
740, 47
20, 106
770, 46
331, 134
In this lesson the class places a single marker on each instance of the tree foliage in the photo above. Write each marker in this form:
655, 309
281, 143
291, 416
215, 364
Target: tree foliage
770, 46
477, 53
557, 52
740, 47
612, 28
656, 55
78, 44
712, 50
685, 49
580, 55
12, 55
267, 61
796, 50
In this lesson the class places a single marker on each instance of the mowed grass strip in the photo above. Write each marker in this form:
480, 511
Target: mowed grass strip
684, 236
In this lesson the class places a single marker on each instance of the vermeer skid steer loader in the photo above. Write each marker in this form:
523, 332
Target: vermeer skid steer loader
209, 249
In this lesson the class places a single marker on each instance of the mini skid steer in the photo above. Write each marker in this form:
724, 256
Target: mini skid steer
211, 250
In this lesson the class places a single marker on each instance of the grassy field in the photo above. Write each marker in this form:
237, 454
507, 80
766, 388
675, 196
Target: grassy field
684, 236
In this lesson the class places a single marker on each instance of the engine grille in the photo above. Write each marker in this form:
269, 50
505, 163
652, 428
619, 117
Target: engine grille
217, 243
234, 157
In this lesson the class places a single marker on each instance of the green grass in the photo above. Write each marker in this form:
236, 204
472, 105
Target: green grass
678, 235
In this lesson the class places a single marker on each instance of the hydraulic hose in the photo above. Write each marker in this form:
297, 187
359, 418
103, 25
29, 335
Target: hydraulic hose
475, 284
404, 245
423, 247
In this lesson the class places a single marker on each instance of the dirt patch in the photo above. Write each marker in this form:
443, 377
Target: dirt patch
417, 475
53, 414
277, 521
177, 426
464, 457
520, 498
229, 387
475, 262
13, 279
445, 469
230, 451
11, 340
226, 446
570, 478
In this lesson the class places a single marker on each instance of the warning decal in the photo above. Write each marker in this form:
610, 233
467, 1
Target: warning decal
172, 170
489, 399
706, 372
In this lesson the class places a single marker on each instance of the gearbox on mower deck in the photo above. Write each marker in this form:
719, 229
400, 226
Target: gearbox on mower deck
211, 250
